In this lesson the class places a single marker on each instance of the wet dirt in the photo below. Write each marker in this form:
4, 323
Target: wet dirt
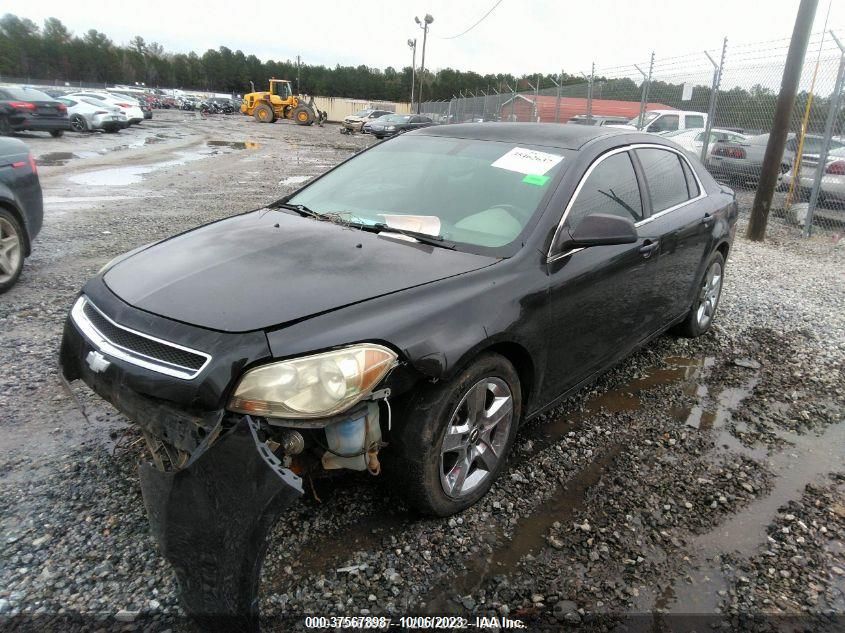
239, 145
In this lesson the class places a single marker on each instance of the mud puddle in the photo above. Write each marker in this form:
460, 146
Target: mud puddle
133, 174
810, 457
57, 159
237, 145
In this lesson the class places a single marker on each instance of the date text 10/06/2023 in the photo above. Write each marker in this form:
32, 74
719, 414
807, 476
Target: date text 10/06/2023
413, 622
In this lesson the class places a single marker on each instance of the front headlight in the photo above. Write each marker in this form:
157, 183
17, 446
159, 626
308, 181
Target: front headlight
313, 386
390, 128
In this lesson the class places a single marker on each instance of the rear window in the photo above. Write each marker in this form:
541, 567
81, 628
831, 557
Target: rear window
667, 183
27, 94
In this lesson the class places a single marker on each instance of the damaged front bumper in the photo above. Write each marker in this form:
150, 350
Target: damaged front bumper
212, 520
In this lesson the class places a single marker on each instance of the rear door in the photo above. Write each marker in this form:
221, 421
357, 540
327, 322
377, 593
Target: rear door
681, 226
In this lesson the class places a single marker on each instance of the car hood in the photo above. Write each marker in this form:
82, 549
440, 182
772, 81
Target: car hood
268, 268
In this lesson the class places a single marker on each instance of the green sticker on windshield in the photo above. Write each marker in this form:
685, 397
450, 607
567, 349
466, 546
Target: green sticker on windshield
535, 179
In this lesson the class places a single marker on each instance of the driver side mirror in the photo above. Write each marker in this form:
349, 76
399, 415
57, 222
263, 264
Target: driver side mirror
597, 229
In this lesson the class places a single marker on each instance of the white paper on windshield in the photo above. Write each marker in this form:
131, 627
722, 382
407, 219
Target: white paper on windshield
527, 161
428, 224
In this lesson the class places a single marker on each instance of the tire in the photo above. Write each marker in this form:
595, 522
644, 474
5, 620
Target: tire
5, 127
431, 479
302, 115
263, 113
706, 299
11, 250
78, 123
57, 133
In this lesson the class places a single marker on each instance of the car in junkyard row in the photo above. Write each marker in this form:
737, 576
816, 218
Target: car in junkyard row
355, 122
29, 109
393, 124
404, 313
21, 208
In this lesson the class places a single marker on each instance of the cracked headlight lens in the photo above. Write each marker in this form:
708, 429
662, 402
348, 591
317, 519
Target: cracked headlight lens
313, 386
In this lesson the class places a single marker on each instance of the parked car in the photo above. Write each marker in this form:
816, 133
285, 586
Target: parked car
392, 124
493, 270
743, 160
127, 105
659, 121
355, 122
693, 140
21, 208
832, 189
87, 117
583, 119
29, 109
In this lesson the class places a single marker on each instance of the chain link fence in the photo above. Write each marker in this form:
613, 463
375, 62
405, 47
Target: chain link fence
718, 105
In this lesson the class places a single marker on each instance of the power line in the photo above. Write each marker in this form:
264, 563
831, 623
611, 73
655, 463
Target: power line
476, 24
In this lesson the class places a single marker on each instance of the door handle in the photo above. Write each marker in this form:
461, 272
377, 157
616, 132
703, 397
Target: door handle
649, 247
707, 219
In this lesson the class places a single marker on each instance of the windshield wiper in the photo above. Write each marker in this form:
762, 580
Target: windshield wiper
425, 238
301, 209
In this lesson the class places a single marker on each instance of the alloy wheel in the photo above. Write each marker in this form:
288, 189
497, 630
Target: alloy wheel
10, 250
476, 437
708, 295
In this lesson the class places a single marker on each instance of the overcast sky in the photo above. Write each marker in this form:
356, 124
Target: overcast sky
518, 36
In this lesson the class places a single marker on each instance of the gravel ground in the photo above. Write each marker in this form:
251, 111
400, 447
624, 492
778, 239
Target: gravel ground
697, 479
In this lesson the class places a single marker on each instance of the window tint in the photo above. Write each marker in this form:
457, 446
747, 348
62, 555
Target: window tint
667, 184
695, 121
610, 188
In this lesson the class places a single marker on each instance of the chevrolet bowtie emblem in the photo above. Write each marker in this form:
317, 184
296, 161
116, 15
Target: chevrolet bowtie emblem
97, 362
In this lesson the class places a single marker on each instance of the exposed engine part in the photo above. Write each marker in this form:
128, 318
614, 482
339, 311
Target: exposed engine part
291, 442
354, 443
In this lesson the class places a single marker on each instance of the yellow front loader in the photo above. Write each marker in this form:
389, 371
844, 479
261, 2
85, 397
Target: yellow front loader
280, 103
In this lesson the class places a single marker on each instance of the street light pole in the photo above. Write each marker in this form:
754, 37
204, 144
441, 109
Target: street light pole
413, 44
423, 24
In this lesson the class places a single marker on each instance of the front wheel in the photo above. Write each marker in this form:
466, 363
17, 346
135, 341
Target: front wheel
456, 435
57, 133
700, 317
78, 123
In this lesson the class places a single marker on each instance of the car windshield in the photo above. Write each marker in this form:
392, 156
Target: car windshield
27, 94
648, 117
475, 193
362, 113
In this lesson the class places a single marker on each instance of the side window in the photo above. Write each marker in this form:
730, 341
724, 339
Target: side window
694, 121
665, 123
699, 138
610, 188
667, 184
692, 185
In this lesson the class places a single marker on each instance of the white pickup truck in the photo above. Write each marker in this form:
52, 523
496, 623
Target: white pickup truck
657, 121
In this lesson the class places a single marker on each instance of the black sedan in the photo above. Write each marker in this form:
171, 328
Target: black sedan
392, 124
432, 293
21, 209
29, 109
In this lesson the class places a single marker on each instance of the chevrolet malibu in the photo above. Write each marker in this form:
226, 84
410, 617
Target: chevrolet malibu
403, 314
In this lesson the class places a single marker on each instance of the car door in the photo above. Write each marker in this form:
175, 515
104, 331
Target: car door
596, 294
681, 227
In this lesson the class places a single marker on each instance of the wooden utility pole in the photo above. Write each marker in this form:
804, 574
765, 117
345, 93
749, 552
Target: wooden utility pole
780, 126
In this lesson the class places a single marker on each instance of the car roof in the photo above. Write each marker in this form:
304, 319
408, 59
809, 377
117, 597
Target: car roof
551, 134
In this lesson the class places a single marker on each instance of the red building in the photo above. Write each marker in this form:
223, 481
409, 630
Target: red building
523, 108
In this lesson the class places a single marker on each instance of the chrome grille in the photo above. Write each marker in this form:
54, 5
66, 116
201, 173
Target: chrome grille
135, 347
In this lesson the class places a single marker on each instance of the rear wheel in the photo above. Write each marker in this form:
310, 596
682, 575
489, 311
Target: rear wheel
57, 133
5, 126
456, 436
11, 250
263, 113
303, 115
78, 123
700, 317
